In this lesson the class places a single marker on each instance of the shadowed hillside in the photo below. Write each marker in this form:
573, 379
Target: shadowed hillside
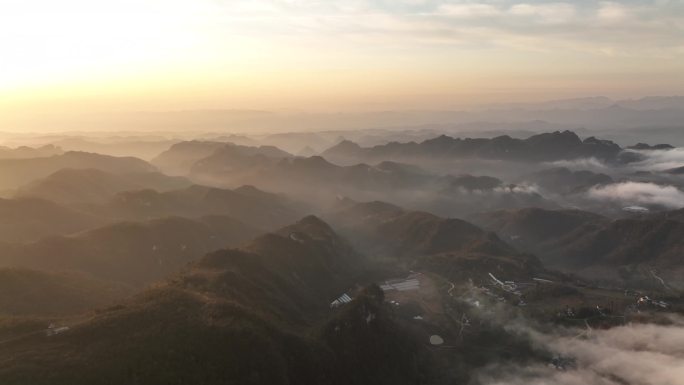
130, 252
18, 172
28, 219
79, 186
26, 292
242, 316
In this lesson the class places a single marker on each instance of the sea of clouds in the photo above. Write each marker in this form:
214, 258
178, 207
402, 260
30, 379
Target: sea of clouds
634, 354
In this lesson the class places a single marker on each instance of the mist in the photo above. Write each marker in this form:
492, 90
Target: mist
632, 354
640, 193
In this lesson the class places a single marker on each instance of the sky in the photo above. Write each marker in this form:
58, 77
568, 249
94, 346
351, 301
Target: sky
156, 55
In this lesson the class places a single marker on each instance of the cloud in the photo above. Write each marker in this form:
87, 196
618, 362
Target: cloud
585, 27
547, 13
592, 164
469, 10
612, 12
639, 354
639, 193
517, 189
661, 160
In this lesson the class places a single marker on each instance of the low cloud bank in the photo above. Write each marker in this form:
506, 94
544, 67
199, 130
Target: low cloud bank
591, 164
653, 160
640, 354
639, 193
661, 160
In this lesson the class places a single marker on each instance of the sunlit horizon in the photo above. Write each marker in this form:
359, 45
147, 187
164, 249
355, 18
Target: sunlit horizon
79, 57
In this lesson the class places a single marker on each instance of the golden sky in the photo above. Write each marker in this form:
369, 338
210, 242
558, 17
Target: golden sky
76, 56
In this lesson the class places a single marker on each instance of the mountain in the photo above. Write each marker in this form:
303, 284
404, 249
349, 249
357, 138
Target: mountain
629, 251
317, 180
648, 147
232, 164
293, 141
133, 253
24, 152
654, 103
561, 180
262, 314
69, 186
306, 152
623, 242
247, 316
538, 148
248, 204
531, 229
182, 157
241, 140
472, 182
588, 103
675, 171
18, 172
29, 219
598, 103
293, 174
25, 292
140, 146
452, 247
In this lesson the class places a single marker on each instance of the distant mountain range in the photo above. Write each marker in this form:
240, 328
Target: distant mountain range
594, 112
80, 186
598, 102
183, 156
25, 152
561, 180
545, 147
17, 172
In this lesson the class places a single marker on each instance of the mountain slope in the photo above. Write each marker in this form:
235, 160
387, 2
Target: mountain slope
29, 219
533, 228
24, 152
248, 204
235, 316
632, 251
130, 252
17, 172
449, 246
26, 292
561, 180
182, 157
69, 186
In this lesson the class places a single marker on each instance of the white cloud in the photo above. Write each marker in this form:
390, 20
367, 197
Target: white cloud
612, 12
469, 10
661, 160
589, 28
639, 193
552, 13
591, 164
639, 354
